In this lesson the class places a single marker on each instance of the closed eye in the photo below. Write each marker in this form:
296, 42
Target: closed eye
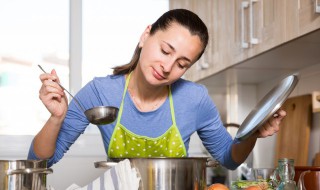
182, 66
164, 52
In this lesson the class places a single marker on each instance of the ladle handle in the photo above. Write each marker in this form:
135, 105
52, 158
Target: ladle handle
75, 99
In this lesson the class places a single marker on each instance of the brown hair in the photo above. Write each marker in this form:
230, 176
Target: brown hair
184, 17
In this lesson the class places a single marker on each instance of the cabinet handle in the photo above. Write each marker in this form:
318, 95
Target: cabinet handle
317, 6
253, 40
244, 5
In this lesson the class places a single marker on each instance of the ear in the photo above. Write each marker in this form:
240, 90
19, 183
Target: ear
144, 36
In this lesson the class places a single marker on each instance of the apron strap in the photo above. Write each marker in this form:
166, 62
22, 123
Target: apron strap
123, 95
172, 107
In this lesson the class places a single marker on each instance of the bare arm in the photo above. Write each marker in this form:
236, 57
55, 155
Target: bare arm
241, 150
53, 97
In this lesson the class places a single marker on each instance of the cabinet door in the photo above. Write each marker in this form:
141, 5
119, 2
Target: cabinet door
269, 27
309, 20
210, 61
259, 26
236, 27
301, 18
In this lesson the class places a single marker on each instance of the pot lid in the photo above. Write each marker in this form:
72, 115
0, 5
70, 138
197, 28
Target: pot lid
267, 106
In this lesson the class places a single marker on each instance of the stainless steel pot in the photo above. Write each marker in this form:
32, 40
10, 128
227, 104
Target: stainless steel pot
168, 173
23, 174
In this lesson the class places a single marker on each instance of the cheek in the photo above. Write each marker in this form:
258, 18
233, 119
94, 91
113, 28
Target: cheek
177, 72
146, 53
151, 56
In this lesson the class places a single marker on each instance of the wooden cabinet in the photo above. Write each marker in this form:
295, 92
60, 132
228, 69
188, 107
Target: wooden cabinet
261, 25
309, 20
301, 18
258, 26
242, 29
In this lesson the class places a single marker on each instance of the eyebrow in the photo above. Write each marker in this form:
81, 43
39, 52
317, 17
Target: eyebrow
171, 47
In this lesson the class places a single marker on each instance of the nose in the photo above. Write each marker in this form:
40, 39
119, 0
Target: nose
167, 65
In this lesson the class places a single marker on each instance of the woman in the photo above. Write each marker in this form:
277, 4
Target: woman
158, 111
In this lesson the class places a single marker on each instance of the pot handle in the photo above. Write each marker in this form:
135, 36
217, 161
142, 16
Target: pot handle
212, 162
30, 171
105, 164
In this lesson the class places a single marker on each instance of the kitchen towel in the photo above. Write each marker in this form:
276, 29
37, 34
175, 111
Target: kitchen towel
119, 177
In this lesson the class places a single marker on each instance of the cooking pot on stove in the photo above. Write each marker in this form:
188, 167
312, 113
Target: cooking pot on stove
23, 174
168, 173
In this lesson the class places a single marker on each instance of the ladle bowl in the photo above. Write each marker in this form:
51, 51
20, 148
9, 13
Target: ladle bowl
102, 115
99, 115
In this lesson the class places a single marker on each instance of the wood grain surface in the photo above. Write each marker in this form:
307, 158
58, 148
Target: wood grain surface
294, 135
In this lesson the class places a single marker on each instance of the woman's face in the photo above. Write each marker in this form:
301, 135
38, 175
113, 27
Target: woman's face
166, 55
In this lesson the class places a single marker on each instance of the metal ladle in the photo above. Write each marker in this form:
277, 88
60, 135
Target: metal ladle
100, 115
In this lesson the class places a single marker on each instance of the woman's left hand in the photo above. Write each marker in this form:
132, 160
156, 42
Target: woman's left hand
272, 126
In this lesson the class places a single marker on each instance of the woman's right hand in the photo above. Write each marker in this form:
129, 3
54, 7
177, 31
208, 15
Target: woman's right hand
52, 95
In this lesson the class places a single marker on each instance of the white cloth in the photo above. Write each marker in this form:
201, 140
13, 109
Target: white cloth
119, 177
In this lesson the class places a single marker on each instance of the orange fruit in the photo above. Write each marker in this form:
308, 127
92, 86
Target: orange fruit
217, 186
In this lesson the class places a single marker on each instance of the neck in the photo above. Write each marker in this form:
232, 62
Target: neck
145, 96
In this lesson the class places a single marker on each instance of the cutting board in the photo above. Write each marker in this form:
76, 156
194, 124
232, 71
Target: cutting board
293, 137
316, 160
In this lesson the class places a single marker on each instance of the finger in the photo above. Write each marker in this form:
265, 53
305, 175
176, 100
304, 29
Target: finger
47, 89
277, 118
263, 132
52, 87
273, 125
268, 129
280, 114
47, 76
50, 76
50, 96
54, 72
266, 132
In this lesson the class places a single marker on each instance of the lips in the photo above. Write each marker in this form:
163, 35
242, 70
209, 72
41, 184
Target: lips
158, 75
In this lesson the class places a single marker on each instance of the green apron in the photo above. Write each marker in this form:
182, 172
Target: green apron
126, 144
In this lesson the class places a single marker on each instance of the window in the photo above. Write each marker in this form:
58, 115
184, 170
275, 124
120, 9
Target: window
32, 32
111, 31
37, 32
